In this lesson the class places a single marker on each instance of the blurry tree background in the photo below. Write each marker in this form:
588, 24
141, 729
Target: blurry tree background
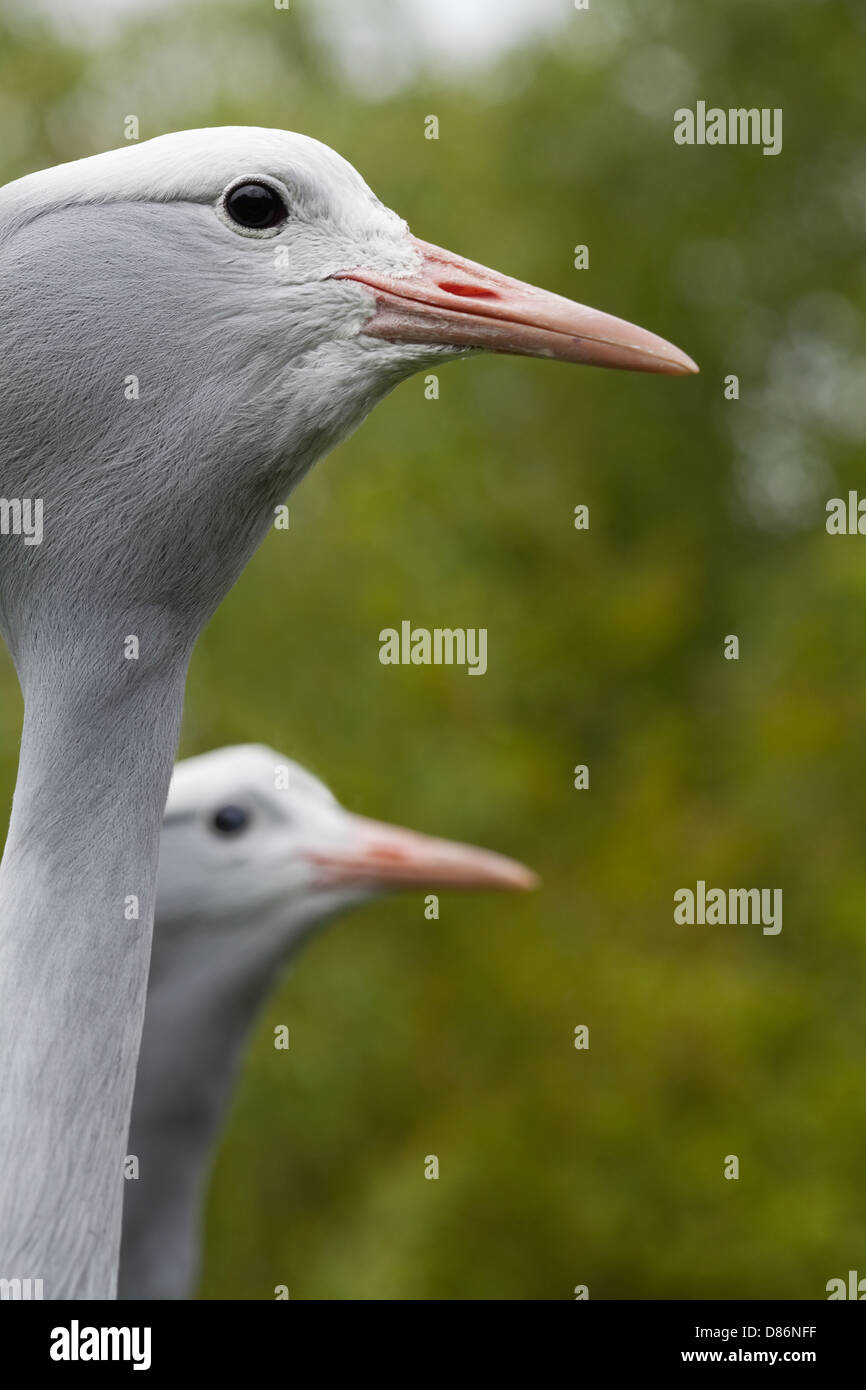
557, 1167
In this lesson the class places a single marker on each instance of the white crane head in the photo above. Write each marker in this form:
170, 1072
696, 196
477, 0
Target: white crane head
188, 323
252, 837
255, 854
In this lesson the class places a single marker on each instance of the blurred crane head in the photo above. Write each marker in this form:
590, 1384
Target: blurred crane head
252, 842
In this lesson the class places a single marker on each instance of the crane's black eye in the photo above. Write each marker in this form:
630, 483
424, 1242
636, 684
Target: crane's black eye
228, 820
256, 205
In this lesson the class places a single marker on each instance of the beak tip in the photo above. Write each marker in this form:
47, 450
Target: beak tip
672, 361
522, 879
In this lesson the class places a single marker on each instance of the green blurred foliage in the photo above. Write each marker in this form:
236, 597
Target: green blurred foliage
558, 1167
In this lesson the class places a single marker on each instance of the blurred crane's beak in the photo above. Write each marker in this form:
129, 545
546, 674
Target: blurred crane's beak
457, 303
384, 857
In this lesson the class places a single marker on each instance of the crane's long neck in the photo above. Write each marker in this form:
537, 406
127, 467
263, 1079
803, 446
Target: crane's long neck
77, 887
202, 1004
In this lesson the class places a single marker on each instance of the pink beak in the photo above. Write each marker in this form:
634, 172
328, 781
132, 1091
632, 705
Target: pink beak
457, 303
386, 857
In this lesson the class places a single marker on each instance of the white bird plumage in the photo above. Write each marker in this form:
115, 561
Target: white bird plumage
233, 906
254, 353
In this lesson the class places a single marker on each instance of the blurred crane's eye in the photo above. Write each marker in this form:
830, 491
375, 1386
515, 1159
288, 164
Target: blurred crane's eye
229, 820
256, 206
